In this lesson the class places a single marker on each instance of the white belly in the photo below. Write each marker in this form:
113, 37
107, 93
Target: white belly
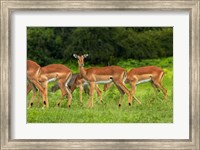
143, 81
104, 82
52, 79
98, 82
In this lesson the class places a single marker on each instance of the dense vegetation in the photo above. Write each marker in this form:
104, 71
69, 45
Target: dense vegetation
105, 45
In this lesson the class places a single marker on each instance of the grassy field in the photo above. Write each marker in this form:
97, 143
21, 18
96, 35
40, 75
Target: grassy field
154, 108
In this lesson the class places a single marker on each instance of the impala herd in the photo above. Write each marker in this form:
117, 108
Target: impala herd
38, 78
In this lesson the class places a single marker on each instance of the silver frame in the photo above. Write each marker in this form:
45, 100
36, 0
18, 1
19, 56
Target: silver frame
7, 7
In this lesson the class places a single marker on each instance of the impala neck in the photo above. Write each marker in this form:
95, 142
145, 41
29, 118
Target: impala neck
82, 71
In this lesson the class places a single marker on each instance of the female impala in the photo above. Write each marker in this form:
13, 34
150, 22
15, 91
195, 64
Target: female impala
145, 74
33, 70
78, 82
103, 75
81, 83
54, 71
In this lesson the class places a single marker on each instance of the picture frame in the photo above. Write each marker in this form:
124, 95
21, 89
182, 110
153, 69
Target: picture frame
8, 7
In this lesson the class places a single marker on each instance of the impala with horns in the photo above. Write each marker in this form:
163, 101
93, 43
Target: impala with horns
103, 75
151, 74
54, 72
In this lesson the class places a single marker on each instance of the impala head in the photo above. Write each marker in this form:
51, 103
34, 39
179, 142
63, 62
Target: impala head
80, 59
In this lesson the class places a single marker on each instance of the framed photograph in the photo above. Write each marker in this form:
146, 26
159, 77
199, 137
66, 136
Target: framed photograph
76, 46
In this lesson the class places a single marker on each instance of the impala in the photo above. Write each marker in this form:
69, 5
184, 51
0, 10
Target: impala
33, 70
81, 83
103, 75
78, 82
151, 74
52, 72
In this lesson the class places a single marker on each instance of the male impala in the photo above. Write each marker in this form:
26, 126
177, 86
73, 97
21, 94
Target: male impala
103, 75
58, 72
145, 74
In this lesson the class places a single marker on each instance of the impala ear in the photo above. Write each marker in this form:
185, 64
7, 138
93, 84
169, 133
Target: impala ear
75, 56
85, 55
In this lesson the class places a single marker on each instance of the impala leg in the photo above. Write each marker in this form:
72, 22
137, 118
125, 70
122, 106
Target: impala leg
98, 92
69, 97
155, 87
133, 87
29, 88
73, 87
137, 99
107, 86
158, 84
121, 96
92, 87
58, 103
32, 99
164, 92
161, 88
46, 94
39, 97
81, 93
125, 90
41, 89
46, 102
69, 94
61, 99
65, 89
36, 93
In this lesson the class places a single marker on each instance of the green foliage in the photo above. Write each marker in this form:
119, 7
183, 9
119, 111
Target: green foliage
45, 44
154, 108
105, 45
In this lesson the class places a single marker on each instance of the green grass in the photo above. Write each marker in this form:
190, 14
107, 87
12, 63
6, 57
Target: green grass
154, 108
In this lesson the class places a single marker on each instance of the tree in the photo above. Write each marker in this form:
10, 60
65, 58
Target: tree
105, 45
